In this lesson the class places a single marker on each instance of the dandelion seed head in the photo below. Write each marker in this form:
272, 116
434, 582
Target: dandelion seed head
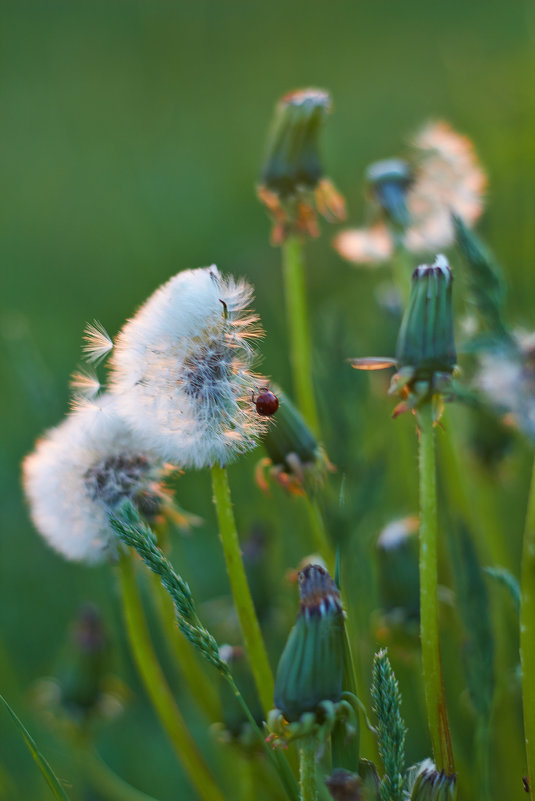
367, 246
81, 471
85, 384
181, 369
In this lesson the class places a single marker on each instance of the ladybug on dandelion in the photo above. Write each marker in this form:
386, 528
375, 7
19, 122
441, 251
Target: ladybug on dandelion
266, 402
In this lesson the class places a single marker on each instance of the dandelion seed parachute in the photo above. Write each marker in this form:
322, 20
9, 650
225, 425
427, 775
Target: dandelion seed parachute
79, 472
181, 370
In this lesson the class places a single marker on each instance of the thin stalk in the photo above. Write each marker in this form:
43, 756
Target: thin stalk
296, 310
429, 630
106, 782
202, 689
318, 531
157, 688
527, 633
240, 588
308, 784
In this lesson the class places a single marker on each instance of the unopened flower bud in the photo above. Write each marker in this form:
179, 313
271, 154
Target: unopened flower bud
344, 786
293, 182
297, 461
311, 666
398, 575
82, 675
425, 351
433, 785
389, 181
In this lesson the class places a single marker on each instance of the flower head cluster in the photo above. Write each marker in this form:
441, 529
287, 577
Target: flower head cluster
80, 472
414, 200
181, 370
293, 186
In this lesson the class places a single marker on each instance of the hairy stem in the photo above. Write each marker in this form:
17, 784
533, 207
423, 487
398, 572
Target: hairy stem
527, 633
157, 688
296, 309
429, 630
240, 588
308, 784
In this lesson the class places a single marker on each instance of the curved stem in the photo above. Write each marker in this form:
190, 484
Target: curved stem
157, 688
106, 781
429, 630
296, 309
202, 689
527, 633
240, 588
308, 784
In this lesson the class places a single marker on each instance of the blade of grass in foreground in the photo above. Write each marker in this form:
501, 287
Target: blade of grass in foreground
43, 764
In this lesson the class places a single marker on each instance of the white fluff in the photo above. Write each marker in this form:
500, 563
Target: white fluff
180, 370
79, 472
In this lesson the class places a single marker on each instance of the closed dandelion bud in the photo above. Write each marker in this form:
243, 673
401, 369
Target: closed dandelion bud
297, 461
81, 678
311, 666
388, 182
398, 574
425, 351
293, 185
345, 786
433, 785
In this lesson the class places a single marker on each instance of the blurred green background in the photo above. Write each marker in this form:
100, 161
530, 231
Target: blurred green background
131, 139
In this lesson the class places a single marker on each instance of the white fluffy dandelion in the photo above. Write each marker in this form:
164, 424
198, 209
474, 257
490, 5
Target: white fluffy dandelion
80, 472
447, 178
181, 370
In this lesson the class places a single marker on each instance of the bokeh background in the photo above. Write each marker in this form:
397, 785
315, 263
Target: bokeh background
131, 139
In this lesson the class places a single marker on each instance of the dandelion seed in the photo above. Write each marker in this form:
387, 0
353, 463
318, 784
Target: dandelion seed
84, 383
446, 179
97, 342
80, 472
181, 370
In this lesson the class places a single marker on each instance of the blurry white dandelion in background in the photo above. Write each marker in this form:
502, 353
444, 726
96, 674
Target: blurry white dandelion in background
181, 370
446, 178
80, 472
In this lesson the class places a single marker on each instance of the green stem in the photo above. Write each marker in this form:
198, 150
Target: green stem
296, 309
318, 532
106, 782
240, 588
202, 689
429, 630
308, 784
527, 633
157, 688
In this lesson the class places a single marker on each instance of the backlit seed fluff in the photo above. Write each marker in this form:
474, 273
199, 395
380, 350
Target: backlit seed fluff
181, 374
81, 471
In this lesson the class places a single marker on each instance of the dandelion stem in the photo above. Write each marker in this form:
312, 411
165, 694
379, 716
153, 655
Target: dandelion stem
307, 769
157, 688
106, 781
527, 633
296, 309
318, 532
429, 630
240, 588
202, 689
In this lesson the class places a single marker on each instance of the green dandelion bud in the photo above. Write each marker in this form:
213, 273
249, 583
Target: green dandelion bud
311, 666
425, 351
389, 181
293, 185
433, 785
296, 460
82, 675
398, 575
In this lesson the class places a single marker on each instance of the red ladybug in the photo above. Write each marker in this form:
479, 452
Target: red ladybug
266, 402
